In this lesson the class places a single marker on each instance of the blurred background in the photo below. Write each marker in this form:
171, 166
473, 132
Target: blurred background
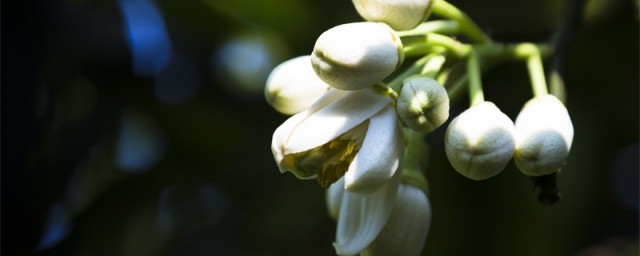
139, 127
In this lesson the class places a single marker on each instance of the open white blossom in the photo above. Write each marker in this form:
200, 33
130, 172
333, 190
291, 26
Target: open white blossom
399, 14
293, 86
479, 142
355, 133
356, 55
544, 134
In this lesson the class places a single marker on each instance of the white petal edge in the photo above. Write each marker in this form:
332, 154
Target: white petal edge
380, 155
282, 134
362, 217
280, 137
331, 121
335, 193
408, 226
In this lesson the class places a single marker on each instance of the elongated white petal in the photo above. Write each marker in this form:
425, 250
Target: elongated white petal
335, 193
406, 230
334, 119
283, 132
379, 156
326, 99
362, 217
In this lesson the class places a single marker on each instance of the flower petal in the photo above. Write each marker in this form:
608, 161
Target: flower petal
282, 134
335, 193
379, 156
362, 217
333, 120
280, 137
408, 226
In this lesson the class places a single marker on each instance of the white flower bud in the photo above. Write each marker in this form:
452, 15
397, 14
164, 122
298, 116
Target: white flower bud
479, 142
399, 14
406, 230
293, 86
544, 134
357, 55
423, 104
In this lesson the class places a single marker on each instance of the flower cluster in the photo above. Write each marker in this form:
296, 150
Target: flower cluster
482, 140
359, 115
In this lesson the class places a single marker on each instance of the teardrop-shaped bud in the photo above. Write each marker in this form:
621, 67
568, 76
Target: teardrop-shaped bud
544, 134
357, 55
399, 14
423, 104
480, 142
293, 86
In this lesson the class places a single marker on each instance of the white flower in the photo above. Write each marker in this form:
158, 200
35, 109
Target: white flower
360, 217
406, 229
423, 104
357, 55
479, 142
356, 132
399, 14
293, 86
544, 134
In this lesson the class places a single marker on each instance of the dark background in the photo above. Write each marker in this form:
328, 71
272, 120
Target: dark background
138, 127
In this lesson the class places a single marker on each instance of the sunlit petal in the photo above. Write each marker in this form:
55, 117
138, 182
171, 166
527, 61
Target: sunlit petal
280, 137
362, 217
335, 193
335, 119
406, 230
379, 156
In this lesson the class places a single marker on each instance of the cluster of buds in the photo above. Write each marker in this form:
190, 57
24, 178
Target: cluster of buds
481, 141
356, 109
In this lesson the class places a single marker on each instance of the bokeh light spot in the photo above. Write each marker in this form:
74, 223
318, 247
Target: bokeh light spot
140, 144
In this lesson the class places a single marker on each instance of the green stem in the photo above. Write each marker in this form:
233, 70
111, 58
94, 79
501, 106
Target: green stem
455, 47
443, 76
433, 66
396, 83
494, 54
517, 52
467, 26
415, 160
447, 27
419, 49
456, 90
536, 72
475, 79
